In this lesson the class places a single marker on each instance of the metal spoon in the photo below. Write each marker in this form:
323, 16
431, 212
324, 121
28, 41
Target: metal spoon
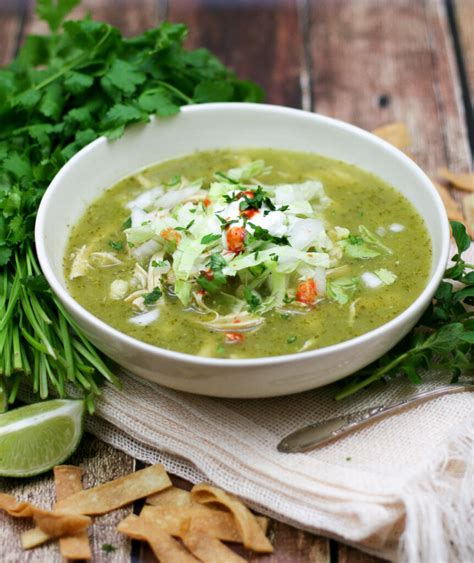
325, 431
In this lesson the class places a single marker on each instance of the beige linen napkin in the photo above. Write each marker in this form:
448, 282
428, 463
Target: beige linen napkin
401, 489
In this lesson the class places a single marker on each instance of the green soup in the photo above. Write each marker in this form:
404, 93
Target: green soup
248, 253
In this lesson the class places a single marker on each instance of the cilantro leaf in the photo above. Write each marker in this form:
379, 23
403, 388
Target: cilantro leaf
208, 239
158, 101
125, 76
212, 281
259, 233
153, 296
53, 12
253, 299
210, 90
78, 82
5, 254
116, 245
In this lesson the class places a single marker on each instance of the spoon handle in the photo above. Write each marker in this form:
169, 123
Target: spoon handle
325, 431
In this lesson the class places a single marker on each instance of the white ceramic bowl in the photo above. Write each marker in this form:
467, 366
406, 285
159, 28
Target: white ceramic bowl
102, 164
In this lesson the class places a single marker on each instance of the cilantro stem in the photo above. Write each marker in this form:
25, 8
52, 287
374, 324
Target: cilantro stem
378, 374
175, 91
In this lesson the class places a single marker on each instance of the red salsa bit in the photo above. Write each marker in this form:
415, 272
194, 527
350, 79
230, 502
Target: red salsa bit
170, 235
235, 239
306, 292
234, 337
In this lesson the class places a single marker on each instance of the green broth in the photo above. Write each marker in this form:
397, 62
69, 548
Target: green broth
358, 198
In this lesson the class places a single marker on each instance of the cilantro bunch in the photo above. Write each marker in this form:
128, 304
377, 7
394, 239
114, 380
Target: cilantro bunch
64, 90
444, 337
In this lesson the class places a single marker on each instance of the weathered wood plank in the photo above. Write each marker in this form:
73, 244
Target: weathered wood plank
99, 463
259, 40
376, 62
10, 26
348, 554
131, 17
464, 12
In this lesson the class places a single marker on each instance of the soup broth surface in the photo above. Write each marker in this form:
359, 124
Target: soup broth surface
285, 313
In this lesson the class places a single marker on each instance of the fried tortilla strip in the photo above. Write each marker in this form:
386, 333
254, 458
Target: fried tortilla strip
53, 524
452, 208
468, 206
397, 134
218, 523
463, 182
166, 549
68, 480
117, 493
34, 538
252, 535
172, 496
207, 548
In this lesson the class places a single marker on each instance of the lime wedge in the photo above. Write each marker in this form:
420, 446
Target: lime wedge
37, 437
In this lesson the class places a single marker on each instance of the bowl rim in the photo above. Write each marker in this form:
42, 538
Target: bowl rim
419, 303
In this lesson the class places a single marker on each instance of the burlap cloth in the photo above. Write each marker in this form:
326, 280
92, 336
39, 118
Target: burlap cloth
402, 489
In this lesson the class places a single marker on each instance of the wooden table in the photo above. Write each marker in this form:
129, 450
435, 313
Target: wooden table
368, 62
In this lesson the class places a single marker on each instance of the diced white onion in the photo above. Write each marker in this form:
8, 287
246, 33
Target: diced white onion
396, 228
370, 280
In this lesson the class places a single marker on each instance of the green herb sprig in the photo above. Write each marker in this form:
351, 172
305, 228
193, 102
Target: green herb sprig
443, 338
63, 91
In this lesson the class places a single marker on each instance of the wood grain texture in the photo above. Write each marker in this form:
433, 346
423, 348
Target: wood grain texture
348, 554
375, 62
464, 11
130, 16
10, 27
99, 463
260, 40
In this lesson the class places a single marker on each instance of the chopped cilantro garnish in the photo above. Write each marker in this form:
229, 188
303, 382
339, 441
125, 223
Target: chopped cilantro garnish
208, 239
217, 262
173, 181
287, 299
127, 223
291, 339
224, 223
108, 548
153, 296
253, 299
259, 233
212, 283
116, 245
158, 263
